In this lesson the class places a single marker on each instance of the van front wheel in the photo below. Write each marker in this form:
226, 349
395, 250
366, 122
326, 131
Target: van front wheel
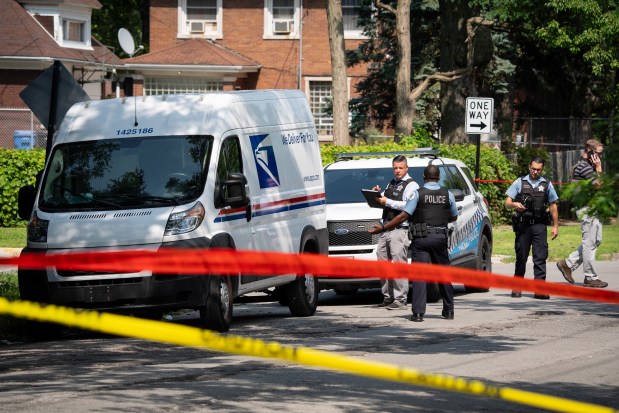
302, 295
216, 314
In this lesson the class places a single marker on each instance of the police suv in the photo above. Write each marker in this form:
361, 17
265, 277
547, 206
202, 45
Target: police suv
349, 217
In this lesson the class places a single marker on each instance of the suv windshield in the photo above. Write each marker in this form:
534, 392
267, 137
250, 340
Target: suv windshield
343, 186
126, 173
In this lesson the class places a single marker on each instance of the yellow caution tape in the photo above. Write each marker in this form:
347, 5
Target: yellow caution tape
195, 337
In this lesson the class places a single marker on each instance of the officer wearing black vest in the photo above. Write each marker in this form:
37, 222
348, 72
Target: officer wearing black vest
393, 245
535, 201
429, 212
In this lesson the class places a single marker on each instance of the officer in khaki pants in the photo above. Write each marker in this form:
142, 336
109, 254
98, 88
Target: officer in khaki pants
393, 244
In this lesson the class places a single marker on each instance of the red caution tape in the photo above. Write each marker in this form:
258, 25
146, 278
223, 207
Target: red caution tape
234, 262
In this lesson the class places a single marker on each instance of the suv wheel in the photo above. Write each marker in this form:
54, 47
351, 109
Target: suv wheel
484, 263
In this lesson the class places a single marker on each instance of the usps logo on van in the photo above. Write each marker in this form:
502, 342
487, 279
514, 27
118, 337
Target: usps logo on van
264, 155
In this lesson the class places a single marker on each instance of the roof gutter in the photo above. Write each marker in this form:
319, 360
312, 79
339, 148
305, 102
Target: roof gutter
190, 68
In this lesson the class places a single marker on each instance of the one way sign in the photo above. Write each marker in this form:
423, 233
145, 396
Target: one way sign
479, 115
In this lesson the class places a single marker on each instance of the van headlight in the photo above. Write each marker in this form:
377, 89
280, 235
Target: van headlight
185, 221
37, 229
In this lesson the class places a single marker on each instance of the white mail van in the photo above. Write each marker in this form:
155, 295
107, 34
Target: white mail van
239, 170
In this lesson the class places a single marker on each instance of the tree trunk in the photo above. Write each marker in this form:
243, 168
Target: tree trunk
404, 111
341, 137
454, 15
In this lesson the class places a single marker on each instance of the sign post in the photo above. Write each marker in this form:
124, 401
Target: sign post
478, 119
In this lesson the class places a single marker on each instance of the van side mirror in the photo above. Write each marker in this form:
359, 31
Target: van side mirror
236, 195
457, 193
25, 201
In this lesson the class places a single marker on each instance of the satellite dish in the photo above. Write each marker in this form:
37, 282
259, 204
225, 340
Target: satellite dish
126, 41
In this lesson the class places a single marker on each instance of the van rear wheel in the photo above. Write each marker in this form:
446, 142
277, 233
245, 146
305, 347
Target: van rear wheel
216, 314
302, 295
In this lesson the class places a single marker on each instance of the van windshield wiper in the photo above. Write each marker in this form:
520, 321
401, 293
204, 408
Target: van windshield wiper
160, 198
152, 198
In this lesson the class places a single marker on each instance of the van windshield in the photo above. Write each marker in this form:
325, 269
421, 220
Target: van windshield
126, 173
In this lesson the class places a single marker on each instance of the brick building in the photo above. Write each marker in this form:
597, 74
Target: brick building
34, 33
195, 46
202, 45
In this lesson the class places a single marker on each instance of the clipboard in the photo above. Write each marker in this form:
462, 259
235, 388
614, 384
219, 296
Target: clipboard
370, 197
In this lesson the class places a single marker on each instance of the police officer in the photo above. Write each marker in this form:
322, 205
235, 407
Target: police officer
532, 196
429, 212
393, 244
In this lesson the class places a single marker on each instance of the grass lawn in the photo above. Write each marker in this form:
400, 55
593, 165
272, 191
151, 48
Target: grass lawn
13, 237
558, 249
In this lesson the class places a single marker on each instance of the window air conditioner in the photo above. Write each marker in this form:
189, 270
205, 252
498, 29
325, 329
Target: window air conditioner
196, 27
282, 26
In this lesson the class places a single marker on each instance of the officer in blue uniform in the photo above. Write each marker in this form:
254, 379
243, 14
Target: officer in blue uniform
429, 212
535, 201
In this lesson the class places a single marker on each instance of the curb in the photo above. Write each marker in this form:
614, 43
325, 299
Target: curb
9, 252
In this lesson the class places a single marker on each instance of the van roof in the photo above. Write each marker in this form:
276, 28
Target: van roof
210, 113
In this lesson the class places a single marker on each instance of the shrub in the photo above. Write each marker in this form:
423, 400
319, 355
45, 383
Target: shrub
8, 285
11, 328
18, 168
493, 165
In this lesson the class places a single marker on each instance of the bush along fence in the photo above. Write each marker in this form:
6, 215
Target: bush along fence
20, 167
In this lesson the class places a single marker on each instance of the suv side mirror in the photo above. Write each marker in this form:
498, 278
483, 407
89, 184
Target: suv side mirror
25, 201
457, 193
236, 195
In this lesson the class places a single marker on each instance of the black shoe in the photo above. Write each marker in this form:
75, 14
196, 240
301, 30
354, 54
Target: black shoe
448, 315
516, 294
417, 317
541, 296
385, 303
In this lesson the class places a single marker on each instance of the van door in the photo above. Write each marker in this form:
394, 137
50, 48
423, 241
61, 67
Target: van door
236, 221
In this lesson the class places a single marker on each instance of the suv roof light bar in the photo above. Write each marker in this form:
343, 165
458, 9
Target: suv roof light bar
417, 152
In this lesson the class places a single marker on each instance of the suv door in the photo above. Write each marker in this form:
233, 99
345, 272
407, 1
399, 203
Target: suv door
464, 240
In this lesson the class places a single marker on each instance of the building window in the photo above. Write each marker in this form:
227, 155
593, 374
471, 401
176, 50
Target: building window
200, 18
281, 18
320, 97
350, 17
170, 86
73, 31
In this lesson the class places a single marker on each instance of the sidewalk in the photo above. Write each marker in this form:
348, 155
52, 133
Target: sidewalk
8, 253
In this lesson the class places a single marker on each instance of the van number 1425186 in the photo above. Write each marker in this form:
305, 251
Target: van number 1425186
134, 131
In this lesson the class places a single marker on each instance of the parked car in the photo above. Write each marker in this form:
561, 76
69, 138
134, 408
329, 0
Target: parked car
349, 217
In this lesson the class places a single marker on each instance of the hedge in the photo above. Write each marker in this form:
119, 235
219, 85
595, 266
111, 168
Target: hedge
18, 168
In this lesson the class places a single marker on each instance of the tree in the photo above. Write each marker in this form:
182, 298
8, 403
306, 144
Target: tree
132, 15
405, 97
341, 136
567, 55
